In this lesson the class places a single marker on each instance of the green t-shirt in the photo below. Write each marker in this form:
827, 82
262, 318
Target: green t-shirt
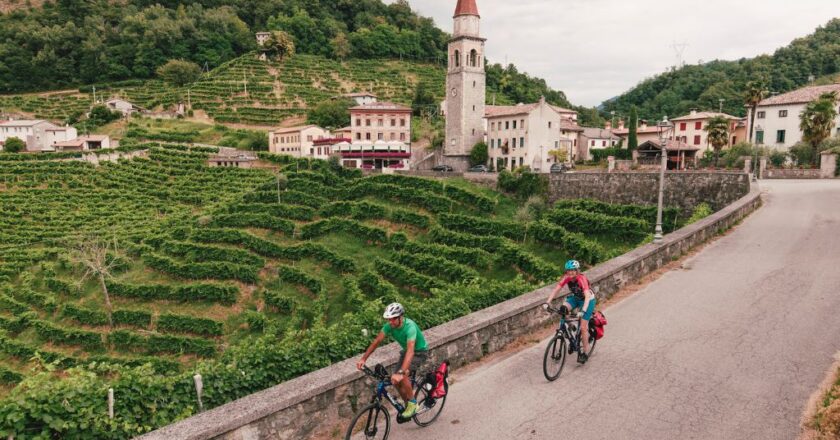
409, 331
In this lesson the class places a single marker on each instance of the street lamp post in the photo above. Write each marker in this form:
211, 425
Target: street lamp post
664, 127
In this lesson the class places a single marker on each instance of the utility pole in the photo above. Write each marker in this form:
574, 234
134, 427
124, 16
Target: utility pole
94, 94
720, 107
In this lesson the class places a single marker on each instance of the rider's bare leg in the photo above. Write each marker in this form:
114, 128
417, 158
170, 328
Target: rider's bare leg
404, 387
584, 335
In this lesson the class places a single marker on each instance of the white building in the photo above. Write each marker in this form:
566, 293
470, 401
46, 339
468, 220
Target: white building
594, 138
37, 134
777, 117
363, 98
691, 128
122, 106
523, 135
84, 143
296, 141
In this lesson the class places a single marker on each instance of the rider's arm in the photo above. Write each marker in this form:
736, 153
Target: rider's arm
372, 348
556, 290
588, 295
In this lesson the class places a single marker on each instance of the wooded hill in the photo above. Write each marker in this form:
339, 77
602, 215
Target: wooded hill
700, 86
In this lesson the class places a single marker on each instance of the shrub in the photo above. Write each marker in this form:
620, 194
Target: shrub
188, 324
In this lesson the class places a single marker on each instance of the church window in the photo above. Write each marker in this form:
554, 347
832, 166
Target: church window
473, 58
457, 58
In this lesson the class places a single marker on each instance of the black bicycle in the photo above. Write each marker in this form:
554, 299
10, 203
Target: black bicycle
565, 341
374, 422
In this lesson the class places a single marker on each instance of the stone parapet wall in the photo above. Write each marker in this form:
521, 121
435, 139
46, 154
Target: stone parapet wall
683, 189
792, 173
319, 401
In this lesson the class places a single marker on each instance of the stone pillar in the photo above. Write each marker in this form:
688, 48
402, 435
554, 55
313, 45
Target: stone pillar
748, 165
610, 164
762, 166
828, 165
635, 154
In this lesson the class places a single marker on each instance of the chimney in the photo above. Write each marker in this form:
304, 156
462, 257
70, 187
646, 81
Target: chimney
642, 123
608, 125
693, 111
621, 124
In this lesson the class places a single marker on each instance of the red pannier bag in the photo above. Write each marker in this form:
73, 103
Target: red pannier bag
599, 321
440, 380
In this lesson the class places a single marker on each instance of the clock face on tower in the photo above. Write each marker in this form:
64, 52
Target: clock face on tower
454, 92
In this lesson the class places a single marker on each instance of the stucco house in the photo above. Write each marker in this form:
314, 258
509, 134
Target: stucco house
777, 117
690, 129
84, 143
524, 134
37, 134
295, 141
594, 138
122, 106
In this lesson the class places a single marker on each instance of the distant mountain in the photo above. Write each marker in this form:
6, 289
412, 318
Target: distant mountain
701, 86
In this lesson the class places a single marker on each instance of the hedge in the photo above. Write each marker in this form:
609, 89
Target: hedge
196, 271
670, 215
203, 253
126, 340
482, 226
220, 293
470, 256
627, 228
59, 335
295, 276
576, 245
264, 221
405, 276
436, 266
352, 227
188, 324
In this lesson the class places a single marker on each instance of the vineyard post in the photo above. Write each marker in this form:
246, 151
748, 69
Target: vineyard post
199, 387
111, 403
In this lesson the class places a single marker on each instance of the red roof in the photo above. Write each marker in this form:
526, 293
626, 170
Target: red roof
466, 7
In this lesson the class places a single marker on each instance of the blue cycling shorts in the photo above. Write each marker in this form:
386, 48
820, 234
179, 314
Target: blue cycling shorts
577, 303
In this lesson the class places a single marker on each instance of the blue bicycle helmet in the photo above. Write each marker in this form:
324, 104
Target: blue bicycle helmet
572, 265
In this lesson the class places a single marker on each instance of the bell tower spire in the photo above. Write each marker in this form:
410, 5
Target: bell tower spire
465, 82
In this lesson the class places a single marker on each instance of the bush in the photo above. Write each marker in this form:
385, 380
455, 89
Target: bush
188, 324
802, 155
523, 183
14, 145
778, 158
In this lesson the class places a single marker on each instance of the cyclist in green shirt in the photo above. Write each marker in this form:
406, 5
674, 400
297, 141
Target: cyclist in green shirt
412, 356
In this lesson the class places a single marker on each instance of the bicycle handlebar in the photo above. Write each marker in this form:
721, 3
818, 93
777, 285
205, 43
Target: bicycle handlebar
566, 316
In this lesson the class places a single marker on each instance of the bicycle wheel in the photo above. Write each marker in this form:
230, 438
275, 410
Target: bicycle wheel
554, 358
592, 340
371, 423
428, 408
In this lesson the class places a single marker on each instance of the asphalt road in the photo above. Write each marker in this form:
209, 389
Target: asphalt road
728, 347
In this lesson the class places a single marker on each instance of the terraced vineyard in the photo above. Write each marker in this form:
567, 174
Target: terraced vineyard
246, 90
241, 276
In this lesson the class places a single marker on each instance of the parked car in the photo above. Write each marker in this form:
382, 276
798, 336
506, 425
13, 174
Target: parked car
442, 168
558, 168
479, 169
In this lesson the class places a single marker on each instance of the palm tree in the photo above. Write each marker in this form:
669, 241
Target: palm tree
817, 120
754, 94
718, 134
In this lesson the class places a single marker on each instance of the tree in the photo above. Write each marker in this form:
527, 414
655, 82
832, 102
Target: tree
340, 46
424, 100
559, 155
280, 44
632, 136
98, 258
331, 114
14, 145
179, 72
718, 134
101, 115
479, 154
817, 120
754, 94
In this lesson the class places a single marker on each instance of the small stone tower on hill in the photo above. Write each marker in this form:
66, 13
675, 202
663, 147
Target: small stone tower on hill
465, 86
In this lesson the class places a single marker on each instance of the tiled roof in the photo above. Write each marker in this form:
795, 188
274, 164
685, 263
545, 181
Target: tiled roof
493, 111
703, 115
359, 94
569, 125
599, 133
562, 110
22, 122
626, 131
382, 105
293, 129
466, 7
800, 96
672, 145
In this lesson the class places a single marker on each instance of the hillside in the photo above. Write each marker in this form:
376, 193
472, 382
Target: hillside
248, 91
225, 271
700, 86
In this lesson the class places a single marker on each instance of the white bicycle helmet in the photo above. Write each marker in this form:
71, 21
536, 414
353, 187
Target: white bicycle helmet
393, 310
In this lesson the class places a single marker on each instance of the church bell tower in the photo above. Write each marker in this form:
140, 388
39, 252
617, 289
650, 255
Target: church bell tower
465, 83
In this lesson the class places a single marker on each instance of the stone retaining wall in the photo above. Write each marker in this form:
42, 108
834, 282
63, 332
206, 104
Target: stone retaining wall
792, 173
684, 189
318, 401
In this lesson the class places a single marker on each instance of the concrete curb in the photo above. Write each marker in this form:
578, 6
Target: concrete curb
299, 407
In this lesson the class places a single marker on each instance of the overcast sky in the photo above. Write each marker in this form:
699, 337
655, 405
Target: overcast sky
596, 49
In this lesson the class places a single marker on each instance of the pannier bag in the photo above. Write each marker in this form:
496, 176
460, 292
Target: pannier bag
598, 322
441, 374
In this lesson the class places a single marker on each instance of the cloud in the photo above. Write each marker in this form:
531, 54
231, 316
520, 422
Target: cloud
596, 49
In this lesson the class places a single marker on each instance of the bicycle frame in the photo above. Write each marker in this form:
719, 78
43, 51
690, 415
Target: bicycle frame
382, 392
